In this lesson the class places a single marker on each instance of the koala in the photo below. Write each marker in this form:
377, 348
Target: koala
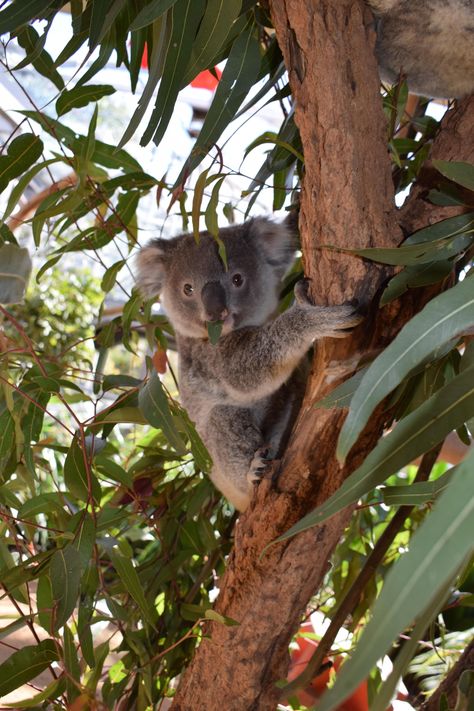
243, 393
431, 41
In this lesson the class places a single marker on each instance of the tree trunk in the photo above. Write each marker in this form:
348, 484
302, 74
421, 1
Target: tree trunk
347, 201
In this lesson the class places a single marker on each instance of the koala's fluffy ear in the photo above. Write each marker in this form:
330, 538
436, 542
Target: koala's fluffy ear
278, 242
151, 266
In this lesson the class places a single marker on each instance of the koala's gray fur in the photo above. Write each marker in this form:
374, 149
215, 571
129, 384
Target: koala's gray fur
243, 393
431, 41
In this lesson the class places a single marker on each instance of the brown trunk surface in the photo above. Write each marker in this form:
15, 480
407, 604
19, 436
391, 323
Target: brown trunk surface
348, 202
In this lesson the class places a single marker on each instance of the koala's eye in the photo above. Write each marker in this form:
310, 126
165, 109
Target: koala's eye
188, 289
237, 280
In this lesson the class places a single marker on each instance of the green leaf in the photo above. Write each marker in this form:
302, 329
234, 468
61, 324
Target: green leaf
76, 476
65, 572
110, 276
104, 154
7, 438
52, 692
31, 42
21, 11
210, 215
151, 12
418, 493
83, 526
71, 663
443, 318
438, 549
341, 396
416, 433
81, 96
129, 577
22, 152
211, 37
201, 456
23, 183
214, 330
236, 81
186, 15
154, 405
15, 270
458, 172
414, 276
24, 665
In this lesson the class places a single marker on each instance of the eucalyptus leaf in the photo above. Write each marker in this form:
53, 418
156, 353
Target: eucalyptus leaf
65, 572
26, 663
437, 551
444, 317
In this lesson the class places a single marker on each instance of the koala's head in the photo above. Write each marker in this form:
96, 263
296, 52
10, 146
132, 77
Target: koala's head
195, 288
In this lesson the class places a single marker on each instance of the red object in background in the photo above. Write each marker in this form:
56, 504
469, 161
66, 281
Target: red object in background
204, 80
358, 701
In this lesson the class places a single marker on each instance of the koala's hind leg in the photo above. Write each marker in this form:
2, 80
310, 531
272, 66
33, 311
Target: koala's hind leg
234, 441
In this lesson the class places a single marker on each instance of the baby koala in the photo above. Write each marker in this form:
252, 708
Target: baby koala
431, 41
244, 392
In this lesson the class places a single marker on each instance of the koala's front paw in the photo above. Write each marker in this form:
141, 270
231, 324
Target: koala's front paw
341, 320
259, 465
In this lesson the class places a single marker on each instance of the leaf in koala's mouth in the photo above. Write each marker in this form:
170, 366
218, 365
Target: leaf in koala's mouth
214, 329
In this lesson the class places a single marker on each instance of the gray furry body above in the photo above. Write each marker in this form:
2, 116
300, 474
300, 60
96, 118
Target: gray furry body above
242, 393
430, 41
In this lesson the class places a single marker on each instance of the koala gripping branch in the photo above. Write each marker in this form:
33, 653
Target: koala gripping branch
347, 201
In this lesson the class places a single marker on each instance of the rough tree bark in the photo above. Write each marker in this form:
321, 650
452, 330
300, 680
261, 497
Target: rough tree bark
347, 201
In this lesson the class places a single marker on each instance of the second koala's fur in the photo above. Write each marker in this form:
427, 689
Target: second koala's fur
242, 393
431, 41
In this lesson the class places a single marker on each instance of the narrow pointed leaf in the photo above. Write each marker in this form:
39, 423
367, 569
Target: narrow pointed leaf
129, 577
21, 11
65, 572
459, 172
437, 551
186, 15
213, 31
416, 433
155, 407
24, 665
77, 479
151, 12
446, 316
22, 153
237, 78
81, 96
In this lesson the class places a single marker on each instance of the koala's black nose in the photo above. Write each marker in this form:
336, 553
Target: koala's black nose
213, 298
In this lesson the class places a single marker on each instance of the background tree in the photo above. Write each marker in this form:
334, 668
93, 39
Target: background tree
115, 527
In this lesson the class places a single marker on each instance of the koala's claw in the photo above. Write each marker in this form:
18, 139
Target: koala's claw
259, 465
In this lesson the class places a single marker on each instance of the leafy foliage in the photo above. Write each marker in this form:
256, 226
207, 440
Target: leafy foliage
107, 517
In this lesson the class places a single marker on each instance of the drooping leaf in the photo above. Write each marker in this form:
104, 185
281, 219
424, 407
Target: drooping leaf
437, 551
459, 172
20, 12
25, 664
22, 152
81, 96
151, 12
133, 586
186, 15
79, 481
154, 405
71, 663
65, 572
41, 60
416, 433
236, 81
442, 319
211, 37
23, 183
